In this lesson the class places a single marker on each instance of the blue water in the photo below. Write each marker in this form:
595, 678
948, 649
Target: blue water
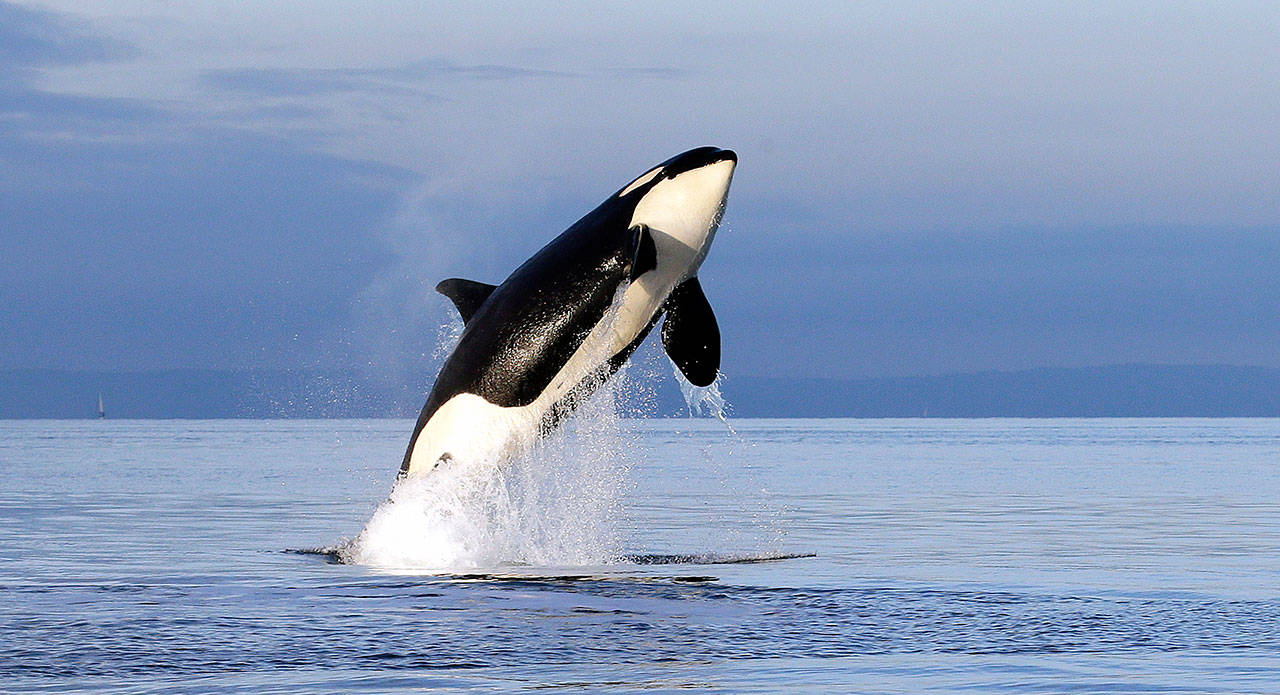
1019, 556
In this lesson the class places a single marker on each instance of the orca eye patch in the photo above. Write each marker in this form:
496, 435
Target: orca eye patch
641, 181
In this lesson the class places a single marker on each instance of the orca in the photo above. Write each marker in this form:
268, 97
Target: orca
536, 345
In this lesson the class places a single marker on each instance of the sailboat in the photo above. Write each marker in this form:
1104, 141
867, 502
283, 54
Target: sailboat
102, 412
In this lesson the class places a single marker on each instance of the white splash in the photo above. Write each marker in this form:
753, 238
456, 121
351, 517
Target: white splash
558, 503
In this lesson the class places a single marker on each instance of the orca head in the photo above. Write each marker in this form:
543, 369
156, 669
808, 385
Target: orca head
682, 199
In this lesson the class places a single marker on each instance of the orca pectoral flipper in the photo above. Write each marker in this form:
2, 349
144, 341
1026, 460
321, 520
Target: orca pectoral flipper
467, 295
690, 334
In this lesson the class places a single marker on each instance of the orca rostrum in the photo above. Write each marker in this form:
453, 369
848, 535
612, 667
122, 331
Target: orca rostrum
534, 346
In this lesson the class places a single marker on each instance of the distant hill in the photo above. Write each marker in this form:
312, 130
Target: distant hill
1118, 391
204, 394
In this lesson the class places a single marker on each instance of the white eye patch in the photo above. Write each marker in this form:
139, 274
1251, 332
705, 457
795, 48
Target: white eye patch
641, 181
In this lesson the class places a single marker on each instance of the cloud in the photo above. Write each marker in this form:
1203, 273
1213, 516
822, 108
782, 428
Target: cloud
300, 82
222, 247
1131, 150
36, 38
135, 236
412, 76
897, 304
31, 40
648, 72
320, 81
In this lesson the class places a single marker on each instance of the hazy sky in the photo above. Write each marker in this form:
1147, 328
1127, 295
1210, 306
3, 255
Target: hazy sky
922, 188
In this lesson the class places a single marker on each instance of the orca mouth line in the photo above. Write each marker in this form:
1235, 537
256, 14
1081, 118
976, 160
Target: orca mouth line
334, 557
696, 159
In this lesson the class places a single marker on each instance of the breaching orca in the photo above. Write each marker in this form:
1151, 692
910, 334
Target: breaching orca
568, 318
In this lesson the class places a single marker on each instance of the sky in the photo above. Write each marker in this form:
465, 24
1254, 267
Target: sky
922, 188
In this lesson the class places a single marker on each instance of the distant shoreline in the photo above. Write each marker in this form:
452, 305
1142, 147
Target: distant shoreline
1215, 391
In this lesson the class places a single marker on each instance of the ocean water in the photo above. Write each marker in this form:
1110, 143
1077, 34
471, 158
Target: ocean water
935, 556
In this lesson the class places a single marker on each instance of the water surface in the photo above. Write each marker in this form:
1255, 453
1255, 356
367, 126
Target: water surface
1027, 556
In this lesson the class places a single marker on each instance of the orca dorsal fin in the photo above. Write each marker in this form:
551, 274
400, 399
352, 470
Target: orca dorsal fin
467, 295
644, 253
690, 334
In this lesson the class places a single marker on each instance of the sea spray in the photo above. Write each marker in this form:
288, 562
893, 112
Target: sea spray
558, 503
448, 333
704, 400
